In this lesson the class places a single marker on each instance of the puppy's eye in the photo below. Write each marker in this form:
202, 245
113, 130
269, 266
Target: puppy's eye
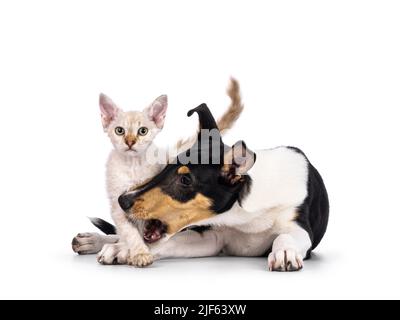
186, 180
119, 131
143, 131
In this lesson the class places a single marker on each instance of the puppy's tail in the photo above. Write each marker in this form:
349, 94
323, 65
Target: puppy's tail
228, 119
104, 226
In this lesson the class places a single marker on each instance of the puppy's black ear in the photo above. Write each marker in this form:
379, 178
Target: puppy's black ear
238, 160
206, 118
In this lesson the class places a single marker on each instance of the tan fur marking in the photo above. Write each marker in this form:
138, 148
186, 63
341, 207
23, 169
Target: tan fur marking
233, 178
183, 170
155, 204
226, 168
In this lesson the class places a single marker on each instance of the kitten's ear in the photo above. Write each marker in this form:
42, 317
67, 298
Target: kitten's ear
109, 110
238, 160
157, 110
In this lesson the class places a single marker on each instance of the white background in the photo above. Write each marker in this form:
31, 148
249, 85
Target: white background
320, 75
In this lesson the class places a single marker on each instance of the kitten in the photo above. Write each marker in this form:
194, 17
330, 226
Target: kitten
132, 134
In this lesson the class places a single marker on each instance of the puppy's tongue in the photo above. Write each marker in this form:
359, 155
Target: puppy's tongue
153, 230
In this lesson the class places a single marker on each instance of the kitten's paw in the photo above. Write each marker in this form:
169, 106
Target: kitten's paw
285, 260
87, 243
140, 260
115, 253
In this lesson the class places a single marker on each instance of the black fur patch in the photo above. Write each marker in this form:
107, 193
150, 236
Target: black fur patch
245, 190
104, 226
314, 212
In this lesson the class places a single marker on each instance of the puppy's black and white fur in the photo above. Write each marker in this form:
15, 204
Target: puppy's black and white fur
271, 201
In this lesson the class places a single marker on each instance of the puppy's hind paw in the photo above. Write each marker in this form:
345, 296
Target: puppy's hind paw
140, 260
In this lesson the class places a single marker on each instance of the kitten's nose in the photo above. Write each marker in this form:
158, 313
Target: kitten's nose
126, 201
130, 140
130, 143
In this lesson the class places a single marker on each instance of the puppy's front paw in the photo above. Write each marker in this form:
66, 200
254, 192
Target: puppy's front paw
140, 259
285, 260
87, 243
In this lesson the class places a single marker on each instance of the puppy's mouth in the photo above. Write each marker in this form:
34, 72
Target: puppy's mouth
154, 230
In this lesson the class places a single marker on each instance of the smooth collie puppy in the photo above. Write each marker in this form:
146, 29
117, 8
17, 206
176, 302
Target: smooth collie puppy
269, 202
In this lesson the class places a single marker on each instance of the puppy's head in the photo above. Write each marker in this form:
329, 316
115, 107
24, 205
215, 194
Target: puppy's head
191, 190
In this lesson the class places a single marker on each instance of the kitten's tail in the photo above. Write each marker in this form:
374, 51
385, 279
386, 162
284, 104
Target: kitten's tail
235, 108
104, 226
227, 120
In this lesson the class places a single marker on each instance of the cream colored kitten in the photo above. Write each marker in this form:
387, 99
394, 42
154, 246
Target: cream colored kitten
132, 134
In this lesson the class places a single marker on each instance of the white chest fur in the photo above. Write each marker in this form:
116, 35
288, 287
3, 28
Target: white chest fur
126, 171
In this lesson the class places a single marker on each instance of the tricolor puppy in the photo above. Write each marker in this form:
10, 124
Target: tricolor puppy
247, 204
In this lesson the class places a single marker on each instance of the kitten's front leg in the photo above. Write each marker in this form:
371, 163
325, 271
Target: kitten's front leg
139, 253
131, 248
114, 253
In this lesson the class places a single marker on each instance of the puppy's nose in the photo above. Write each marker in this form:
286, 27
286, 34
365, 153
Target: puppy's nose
126, 201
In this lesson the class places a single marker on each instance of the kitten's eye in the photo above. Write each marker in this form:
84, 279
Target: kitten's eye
186, 180
119, 131
143, 131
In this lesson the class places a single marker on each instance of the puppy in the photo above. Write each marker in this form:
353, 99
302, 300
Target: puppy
247, 203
